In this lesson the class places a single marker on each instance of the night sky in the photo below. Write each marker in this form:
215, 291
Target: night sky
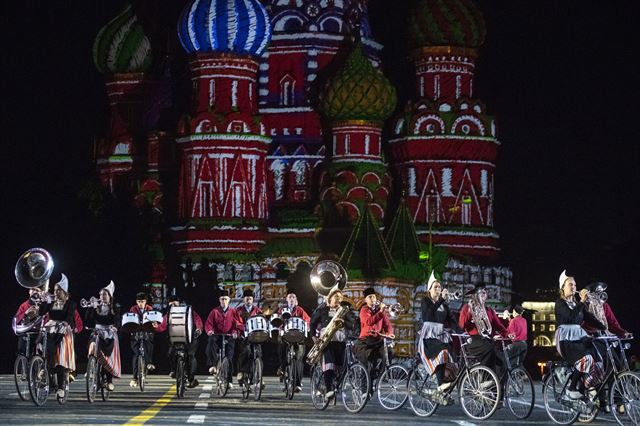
561, 78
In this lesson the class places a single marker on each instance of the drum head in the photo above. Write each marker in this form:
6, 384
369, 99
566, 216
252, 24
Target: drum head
276, 320
130, 323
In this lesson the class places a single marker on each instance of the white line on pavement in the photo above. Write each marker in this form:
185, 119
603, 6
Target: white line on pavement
204, 395
207, 387
202, 405
464, 423
196, 418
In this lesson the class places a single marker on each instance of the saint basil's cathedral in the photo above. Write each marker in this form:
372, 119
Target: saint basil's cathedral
255, 137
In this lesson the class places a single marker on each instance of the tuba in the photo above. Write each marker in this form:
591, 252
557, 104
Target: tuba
33, 269
327, 275
595, 306
480, 318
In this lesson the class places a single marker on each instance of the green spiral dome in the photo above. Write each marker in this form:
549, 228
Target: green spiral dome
358, 91
121, 46
446, 23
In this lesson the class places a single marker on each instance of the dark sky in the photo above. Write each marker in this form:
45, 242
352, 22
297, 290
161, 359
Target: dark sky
561, 78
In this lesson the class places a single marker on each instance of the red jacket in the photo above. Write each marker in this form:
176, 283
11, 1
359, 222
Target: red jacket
220, 322
242, 312
21, 310
197, 321
299, 312
136, 310
518, 326
612, 323
465, 322
78, 320
373, 322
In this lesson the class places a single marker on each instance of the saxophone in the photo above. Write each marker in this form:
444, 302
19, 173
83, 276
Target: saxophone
336, 323
480, 318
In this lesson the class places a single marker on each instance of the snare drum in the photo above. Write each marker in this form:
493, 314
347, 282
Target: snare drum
148, 318
286, 313
130, 322
256, 329
295, 330
180, 324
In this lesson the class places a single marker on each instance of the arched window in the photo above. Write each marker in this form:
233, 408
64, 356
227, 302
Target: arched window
287, 89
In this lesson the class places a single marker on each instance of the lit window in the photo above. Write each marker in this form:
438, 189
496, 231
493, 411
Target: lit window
533, 327
534, 317
542, 317
552, 327
542, 327
552, 317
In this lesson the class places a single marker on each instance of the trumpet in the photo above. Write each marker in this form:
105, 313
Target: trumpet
456, 295
394, 310
93, 302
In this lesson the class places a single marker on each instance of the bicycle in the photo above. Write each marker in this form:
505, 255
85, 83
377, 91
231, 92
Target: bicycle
624, 392
393, 382
41, 380
352, 382
290, 373
252, 382
223, 367
518, 387
96, 377
21, 364
140, 337
181, 368
478, 387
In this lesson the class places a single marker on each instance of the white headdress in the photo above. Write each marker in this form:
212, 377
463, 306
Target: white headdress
63, 283
432, 279
563, 278
111, 288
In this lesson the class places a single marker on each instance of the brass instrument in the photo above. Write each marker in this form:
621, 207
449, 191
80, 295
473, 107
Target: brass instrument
456, 295
93, 302
327, 275
395, 310
34, 268
595, 306
479, 317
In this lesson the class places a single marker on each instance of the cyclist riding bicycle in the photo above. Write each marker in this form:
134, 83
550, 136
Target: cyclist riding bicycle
374, 321
246, 310
139, 309
222, 320
293, 310
192, 348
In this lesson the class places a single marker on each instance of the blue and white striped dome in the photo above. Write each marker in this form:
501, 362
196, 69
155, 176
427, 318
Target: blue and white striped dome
240, 26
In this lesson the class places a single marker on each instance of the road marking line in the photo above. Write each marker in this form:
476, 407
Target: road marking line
202, 405
204, 388
204, 395
152, 411
599, 417
464, 423
209, 379
196, 418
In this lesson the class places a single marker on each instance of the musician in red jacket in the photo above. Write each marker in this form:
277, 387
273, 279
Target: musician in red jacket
245, 311
292, 309
373, 321
222, 320
517, 350
191, 348
481, 346
29, 310
139, 309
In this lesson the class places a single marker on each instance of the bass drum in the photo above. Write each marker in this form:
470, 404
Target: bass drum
180, 325
130, 323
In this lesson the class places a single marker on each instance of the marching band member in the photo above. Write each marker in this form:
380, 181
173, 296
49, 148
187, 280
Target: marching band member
517, 350
222, 320
76, 330
434, 344
28, 309
296, 311
333, 354
481, 322
602, 311
373, 320
105, 315
60, 351
570, 336
246, 310
139, 309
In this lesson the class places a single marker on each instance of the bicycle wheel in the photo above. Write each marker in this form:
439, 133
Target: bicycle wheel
142, 372
625, 398
588, 418
223, 379
38, 380
91, 378
552, 390
519, 393
245, 384
257, 378
290, 379
392, 387
355, 388
479, 392
318, 389
21, 376
181, 381
421, 386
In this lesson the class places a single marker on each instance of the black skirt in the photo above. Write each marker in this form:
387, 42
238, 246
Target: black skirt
432, 347
573, 350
